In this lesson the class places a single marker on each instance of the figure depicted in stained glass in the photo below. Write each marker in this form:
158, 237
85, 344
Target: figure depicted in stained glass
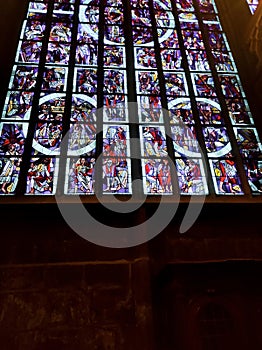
175, 84
151, 114
113, 15
151, 176
184, 138
85, 36
171, 41
148, 83
45, 113
230, 85
150, 109
52, 107
154, 142
86, 80
115, 175
113, 56
164, 171
114, 141
190, 178
248, 142
223, 61
12, 139
209, 113
180, 111
140, 16
171, 59
158, 176
34, 30
109, 174
204, 84
185, 5
54, 79
114, 82
58, 53
90, 28
114, 34
48, 135
86, 51
92, 14
217, 42
215, 138
81, 135
122, 176
193, 40
25, 78
145, 57
253, 169
150, 101
227, 176
163, 18
63, 5
60, 32
40, 177
18, 105
142, 35
114, 107
238, 111
197, 60
9, 172
30, 51
81, 176
83, 111
42, 6
206, 6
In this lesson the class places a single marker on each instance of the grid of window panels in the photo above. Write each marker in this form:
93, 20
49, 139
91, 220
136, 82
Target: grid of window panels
171, 58
253, 4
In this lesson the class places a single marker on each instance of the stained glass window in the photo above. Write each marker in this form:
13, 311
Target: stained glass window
253, 4
170, 59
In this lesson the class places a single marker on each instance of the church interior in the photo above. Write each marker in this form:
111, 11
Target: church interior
197, 290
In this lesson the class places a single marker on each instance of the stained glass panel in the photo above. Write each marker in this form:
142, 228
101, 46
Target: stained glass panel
253, 4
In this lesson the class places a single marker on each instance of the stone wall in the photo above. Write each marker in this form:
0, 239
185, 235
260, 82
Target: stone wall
99, 306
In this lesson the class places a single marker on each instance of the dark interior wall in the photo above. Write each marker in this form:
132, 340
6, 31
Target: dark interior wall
212, 306
58, 291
